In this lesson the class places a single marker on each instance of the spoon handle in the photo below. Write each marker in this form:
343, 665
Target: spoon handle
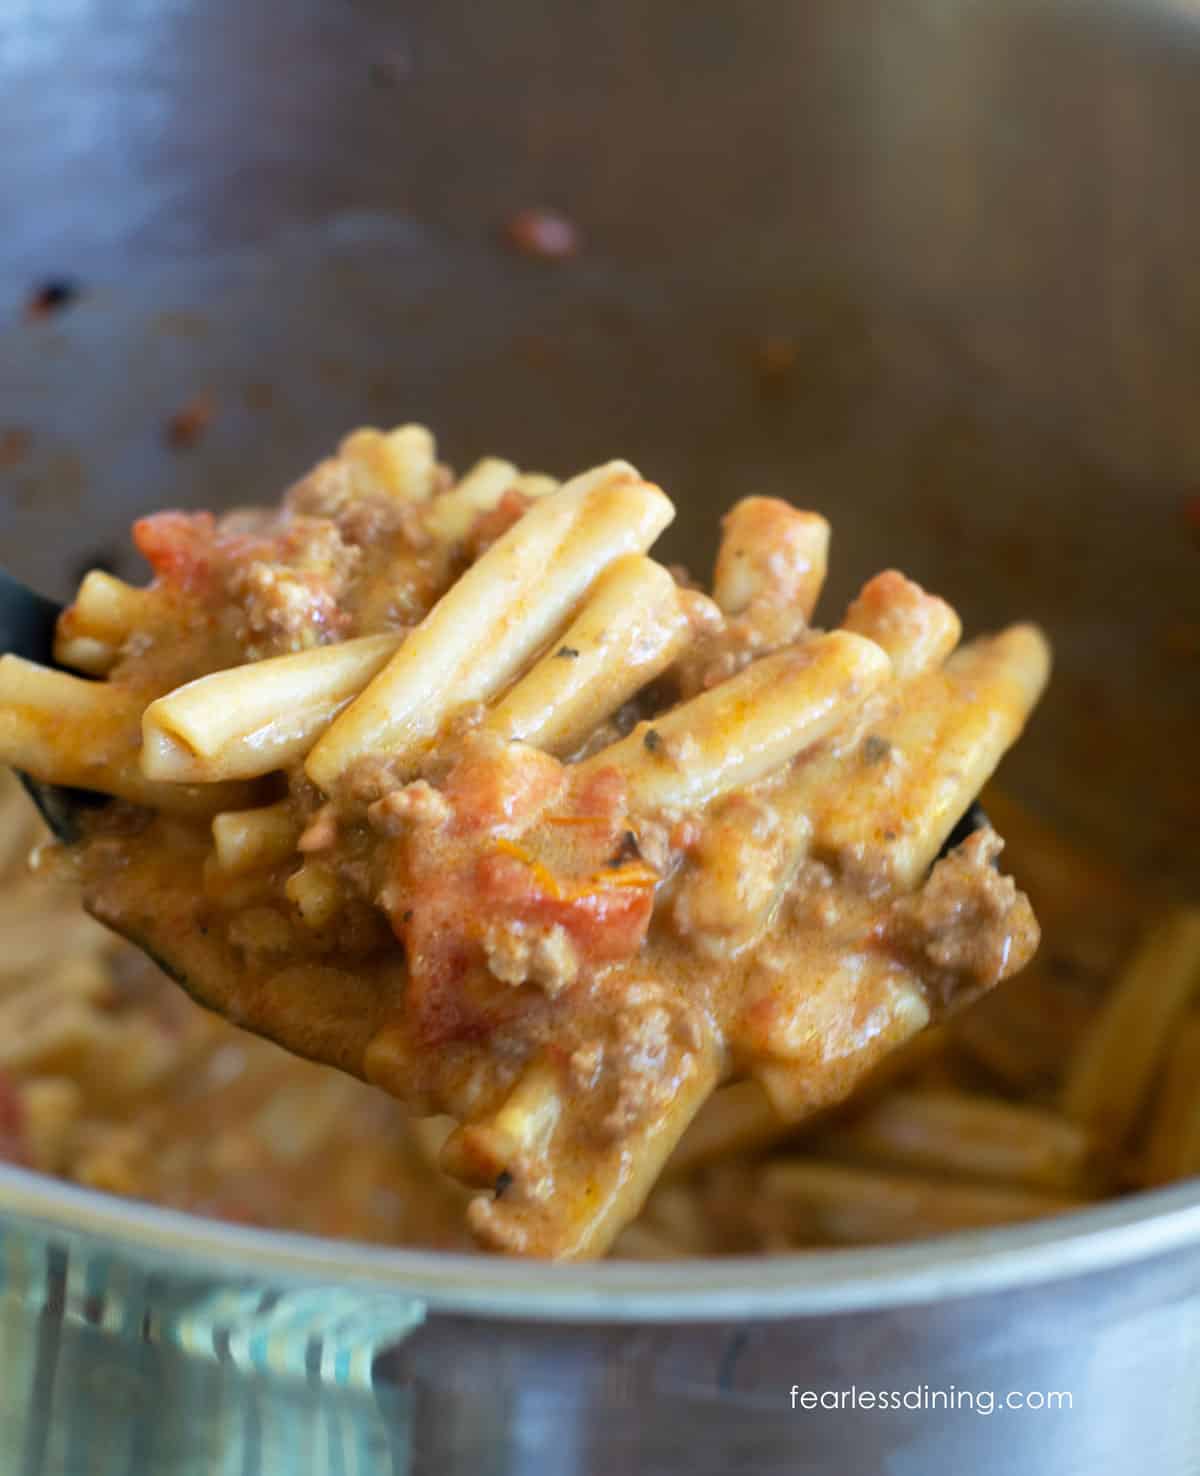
27, 620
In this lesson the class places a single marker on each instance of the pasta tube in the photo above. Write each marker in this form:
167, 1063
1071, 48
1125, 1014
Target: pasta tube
521, 592
744, 728
1109, 1081
253, 719
61, 729
630, 630
772, 552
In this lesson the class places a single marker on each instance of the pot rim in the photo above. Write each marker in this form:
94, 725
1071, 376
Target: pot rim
807, 1284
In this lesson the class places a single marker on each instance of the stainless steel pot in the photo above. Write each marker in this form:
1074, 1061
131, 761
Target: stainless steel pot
974, 228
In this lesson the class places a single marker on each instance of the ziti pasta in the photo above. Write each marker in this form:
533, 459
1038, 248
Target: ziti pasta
452, 786
109, 1076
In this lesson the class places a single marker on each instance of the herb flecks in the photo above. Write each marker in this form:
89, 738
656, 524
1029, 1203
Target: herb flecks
875, 749
628, 850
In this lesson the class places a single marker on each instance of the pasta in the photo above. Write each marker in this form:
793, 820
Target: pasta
1123, 1053
257, 718
743, 729
254, 840
479, 491
105, 613
828, 1200
1172, 1149
918, 631
452, 786
958, 1133
771, 565
400, 463
627, 633
201, 1116
962, 718
519, 592
63, 730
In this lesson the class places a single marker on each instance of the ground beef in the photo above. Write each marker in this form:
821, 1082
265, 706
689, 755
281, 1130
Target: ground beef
968, 927
369, 779
418, 803
321, 832
292, 595
368, 520
262, 934
643, 1057
324, 493
526, 953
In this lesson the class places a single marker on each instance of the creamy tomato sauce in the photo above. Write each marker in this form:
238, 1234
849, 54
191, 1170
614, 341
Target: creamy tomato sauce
503, 935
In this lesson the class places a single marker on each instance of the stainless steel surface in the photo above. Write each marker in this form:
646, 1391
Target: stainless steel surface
977, 227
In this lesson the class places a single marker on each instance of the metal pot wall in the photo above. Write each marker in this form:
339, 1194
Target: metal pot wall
926, 265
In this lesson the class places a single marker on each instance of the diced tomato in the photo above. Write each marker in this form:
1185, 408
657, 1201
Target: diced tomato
501, 784
602, 793
604, 925
178, 546
598, 809
447, 894
441, 961
445, 915
606, 918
